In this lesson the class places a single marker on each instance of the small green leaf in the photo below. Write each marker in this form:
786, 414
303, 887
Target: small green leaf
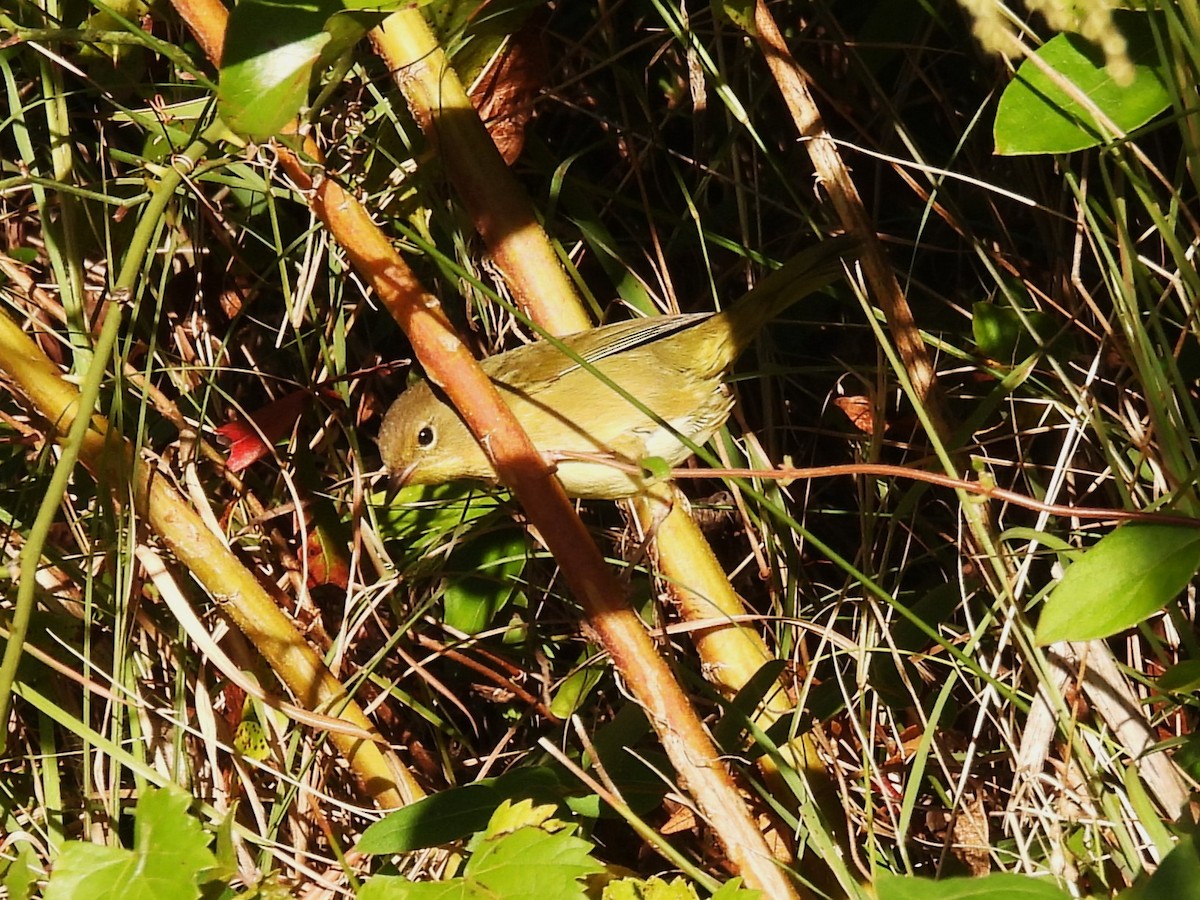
1037, 116
655, 468
20, 873
250, 740
274, 48
1187, 756
1184, 676
396, 887
739, 12
574, 690
171, 842
423, 517
1124, 578
740, 710
998, 886
733, 890
652, 889
1008, 336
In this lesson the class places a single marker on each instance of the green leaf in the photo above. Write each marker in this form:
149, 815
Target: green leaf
739, 12
1036, 116
273, 49
170, 850
733, 890
423, 517
569, 696
653, 889
1127, 576
531, 864
740, 710
20, 874
437, 819
527, 864
1184, 676
493, 563
999, 886
636, 767
1008, 336
655, 468
94, 870
250, 740
1177, 876
1187, 756
395, 887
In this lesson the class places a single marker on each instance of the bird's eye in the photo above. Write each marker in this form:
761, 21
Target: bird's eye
425, 437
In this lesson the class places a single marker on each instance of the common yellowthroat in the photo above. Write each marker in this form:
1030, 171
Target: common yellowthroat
673, 365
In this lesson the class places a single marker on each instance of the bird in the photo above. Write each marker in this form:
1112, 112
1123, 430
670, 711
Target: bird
598, 438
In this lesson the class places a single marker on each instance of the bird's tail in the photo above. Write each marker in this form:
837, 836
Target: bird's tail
806, 272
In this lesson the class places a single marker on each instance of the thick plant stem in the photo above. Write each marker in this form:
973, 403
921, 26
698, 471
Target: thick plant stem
501, 211
731, 654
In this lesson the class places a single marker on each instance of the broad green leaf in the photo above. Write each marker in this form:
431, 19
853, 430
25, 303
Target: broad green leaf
740, 710
1187, 756
250, 740
273, 48
569, 696
170, 851
739, 12
20, 873
171, 842
490, 565
1037, 116
733, 890
1127, 576
678, 888
653, 889
1177, 876
999, 886
528, 864
531, 864
635, 765
96, 871
438, 819
457, 813
421, 518
655, 468
1003, 334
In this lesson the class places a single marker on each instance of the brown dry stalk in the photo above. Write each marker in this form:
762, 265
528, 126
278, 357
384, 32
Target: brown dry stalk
844, 196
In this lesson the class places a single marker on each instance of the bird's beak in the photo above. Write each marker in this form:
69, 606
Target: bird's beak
397, 481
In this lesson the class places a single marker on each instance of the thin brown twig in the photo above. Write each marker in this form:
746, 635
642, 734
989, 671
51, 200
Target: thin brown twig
501, 681
979, 488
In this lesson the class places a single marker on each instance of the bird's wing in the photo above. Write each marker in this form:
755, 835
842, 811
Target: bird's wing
542, 362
